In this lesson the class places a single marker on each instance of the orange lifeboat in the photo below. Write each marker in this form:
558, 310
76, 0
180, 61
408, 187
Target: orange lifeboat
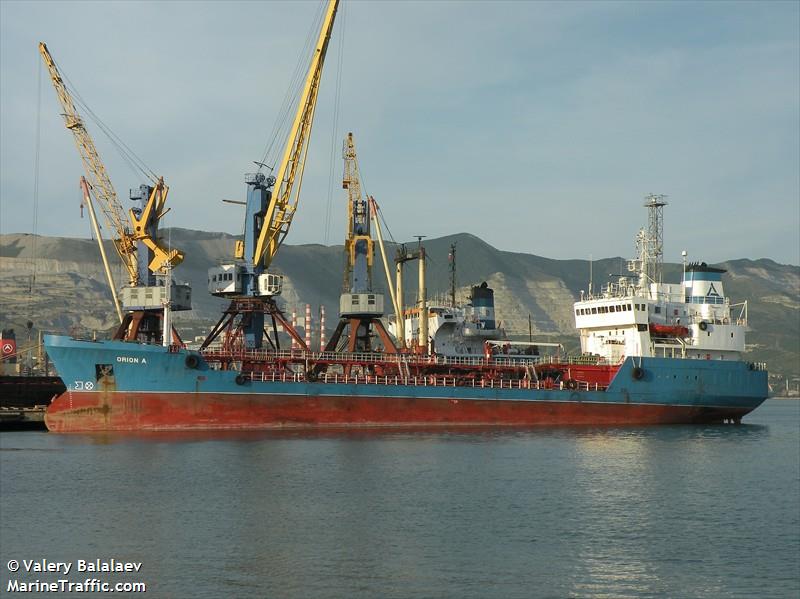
668, 330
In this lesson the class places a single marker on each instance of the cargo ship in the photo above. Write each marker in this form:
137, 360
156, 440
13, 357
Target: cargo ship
651, 353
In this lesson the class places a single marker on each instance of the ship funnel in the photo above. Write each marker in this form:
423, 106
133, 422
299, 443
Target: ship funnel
483, 305
703, 284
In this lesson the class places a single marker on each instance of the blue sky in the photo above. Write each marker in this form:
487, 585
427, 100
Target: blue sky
537, 126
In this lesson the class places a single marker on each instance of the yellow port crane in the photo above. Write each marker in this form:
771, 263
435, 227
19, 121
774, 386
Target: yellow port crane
289, 177
145, 222
269, 209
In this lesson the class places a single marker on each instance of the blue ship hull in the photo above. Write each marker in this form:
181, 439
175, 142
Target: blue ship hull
115, 385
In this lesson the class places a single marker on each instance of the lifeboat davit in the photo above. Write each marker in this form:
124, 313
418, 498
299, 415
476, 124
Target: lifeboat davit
668, 330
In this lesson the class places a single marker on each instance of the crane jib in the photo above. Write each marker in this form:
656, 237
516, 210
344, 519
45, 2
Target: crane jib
281, 208
145, 225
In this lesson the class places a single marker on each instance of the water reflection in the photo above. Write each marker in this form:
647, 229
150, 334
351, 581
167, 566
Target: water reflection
476, 434
677, 511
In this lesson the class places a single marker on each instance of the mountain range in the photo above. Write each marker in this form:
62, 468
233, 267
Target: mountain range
58, 285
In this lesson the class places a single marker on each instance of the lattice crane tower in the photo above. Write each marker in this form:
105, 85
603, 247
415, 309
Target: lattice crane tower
654, 260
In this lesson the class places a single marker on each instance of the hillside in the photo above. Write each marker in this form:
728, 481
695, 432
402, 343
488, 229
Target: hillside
63, 288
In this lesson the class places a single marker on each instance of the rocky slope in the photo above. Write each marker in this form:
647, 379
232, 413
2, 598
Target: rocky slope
58, 284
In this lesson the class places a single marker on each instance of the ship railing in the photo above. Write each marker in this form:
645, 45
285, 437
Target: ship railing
368, 358
403, 360
419, 381
697, 319
616, 290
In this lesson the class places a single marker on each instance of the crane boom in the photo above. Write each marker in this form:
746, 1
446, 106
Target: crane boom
87, 197
359, 246
96, 171
145, 223
289, 176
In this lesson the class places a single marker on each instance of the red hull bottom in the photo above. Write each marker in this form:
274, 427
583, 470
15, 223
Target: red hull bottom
82, 412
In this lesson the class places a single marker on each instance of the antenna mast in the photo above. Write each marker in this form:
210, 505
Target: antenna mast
653, 258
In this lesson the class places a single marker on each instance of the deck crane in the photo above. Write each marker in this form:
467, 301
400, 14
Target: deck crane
270, 207
142, 253
360, 308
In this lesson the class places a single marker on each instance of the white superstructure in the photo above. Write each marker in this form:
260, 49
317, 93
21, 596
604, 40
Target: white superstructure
640, 315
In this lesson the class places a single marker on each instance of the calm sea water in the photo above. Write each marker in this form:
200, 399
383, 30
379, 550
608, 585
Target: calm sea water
673, 511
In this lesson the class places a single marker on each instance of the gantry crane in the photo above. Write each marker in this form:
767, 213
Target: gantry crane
142, 253
269, 209
360, 308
